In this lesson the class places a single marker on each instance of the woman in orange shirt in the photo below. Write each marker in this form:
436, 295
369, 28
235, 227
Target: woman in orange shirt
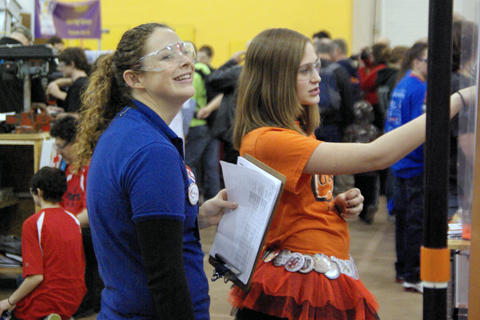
307, 271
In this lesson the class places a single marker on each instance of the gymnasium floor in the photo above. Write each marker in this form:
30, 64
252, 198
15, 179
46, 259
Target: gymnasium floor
373, 248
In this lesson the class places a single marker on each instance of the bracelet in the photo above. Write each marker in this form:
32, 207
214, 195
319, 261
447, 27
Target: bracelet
463, 100
8, 299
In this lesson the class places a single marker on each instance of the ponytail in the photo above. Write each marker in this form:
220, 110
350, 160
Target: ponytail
413, 53
107, 94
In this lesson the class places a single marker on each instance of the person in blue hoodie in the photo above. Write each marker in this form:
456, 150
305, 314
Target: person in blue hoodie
407, 103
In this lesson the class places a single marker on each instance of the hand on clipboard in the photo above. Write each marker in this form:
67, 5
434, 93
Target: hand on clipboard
241, 234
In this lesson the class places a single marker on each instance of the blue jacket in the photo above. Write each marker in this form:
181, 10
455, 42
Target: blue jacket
407, 102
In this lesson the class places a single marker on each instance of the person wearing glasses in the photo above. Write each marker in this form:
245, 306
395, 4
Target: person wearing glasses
407, 102
306, 271
64, 131
142, 199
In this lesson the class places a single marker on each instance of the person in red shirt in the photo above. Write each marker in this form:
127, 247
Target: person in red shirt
64, 130
53, 258
368, 80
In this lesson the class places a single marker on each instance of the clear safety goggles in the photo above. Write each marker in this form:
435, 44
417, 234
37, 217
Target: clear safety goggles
165, 58
308, 71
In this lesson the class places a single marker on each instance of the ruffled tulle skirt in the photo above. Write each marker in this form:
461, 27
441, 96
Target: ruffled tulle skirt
293, 295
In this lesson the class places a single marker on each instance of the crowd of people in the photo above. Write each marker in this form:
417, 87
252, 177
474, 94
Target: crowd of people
302, 106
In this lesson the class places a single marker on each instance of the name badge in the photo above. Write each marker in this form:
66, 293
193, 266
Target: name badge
193, 193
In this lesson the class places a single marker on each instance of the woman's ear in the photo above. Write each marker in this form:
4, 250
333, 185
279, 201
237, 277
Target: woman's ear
133, 79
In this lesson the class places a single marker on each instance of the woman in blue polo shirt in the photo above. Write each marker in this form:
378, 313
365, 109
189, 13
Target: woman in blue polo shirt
141, 198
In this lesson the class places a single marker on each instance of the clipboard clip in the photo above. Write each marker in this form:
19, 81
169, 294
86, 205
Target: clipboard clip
224, 270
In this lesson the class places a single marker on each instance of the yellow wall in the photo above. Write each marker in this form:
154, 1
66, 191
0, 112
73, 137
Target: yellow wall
226, 25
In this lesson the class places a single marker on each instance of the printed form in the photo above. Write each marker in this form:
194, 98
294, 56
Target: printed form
240, 233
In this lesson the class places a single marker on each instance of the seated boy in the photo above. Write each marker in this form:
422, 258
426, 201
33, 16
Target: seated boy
53, 258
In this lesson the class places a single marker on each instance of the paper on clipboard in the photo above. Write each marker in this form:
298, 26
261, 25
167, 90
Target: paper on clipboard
241, 232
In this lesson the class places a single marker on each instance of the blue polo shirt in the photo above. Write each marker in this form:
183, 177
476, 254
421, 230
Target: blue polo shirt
138, 173
407, 102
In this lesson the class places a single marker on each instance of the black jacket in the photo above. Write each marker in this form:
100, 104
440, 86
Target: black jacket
224, 80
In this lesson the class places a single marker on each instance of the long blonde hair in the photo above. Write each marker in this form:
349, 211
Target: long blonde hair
267, 95
107, 93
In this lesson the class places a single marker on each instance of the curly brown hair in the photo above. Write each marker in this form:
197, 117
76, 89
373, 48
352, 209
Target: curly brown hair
107, 92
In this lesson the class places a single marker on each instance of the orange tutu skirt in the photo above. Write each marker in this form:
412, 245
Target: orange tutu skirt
293, 295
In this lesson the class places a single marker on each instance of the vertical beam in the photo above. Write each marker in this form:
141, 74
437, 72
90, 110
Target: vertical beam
437, 147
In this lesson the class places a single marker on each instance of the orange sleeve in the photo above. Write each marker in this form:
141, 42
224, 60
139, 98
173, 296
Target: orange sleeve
286, 151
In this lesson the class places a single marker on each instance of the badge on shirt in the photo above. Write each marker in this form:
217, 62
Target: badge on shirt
193, 193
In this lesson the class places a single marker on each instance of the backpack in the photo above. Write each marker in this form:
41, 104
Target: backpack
384, 92
330, 99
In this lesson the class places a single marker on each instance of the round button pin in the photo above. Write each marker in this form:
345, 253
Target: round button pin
308, 265
271, 255
282, 258
322, 263
295, 262
193, 193
334, 271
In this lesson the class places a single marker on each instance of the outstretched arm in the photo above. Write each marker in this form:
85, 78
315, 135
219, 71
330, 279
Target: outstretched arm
349, 158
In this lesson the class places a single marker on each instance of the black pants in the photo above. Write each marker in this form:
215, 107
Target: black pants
369, 185
409, 210
94, 283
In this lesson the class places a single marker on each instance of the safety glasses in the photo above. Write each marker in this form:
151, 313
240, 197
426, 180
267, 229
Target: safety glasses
165, 58
307, 71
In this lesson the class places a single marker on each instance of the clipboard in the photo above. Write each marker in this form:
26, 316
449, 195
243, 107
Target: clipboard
226, 269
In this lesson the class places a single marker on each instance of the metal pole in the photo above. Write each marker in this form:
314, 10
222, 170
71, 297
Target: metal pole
437, 148
27, 87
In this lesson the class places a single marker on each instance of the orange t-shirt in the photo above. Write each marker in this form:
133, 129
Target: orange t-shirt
305, 220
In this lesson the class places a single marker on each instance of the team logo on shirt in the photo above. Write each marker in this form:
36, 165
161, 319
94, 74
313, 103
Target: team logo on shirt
322, 187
